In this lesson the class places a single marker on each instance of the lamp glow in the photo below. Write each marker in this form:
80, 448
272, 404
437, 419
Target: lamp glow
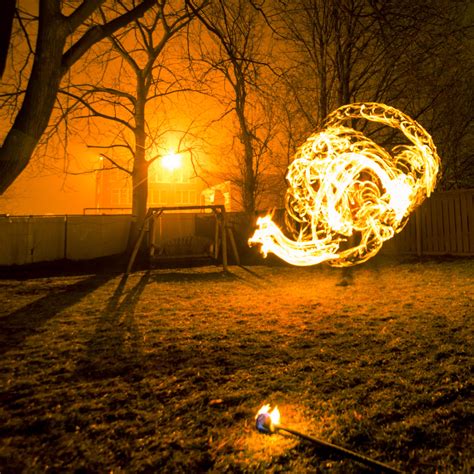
171, 162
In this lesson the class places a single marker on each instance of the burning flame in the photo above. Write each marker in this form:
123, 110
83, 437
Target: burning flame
346, 194
274, 414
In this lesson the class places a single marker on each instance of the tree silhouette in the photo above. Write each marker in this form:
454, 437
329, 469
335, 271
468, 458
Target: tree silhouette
415, 57
135, 73
58, 27
236, 49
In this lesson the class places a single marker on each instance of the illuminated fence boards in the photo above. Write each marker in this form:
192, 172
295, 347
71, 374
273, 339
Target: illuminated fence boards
443, 225
34, 239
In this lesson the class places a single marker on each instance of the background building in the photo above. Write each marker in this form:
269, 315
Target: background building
171, 182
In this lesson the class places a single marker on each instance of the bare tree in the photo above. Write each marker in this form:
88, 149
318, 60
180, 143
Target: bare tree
136, 73
61, 40
435, 77
238, 52
415, 57
332, 56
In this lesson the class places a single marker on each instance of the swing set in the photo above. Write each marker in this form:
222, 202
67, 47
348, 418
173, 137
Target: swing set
222, 233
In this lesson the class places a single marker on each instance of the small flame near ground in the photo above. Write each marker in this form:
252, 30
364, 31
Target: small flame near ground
266, 419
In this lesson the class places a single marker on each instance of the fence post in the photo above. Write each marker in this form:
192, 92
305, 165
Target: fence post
65, 237
224, 238
418, 225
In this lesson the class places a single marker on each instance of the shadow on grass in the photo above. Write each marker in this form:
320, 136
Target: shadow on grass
60, 268
115, 349
347, 277
26, 321
187, 276
251, 279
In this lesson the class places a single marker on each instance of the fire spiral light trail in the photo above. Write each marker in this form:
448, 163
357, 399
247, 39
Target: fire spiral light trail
347, 194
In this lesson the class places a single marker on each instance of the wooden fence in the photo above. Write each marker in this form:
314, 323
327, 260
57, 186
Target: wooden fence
33, 239
442, 225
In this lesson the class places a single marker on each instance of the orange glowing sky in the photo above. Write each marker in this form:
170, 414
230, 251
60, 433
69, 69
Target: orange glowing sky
44, 187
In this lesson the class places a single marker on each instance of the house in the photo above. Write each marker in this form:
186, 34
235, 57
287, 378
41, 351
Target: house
272, 194
171, 182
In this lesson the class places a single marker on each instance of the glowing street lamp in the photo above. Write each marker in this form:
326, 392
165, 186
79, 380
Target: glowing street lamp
171, 161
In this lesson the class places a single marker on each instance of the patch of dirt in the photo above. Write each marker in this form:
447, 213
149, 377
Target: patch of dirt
165, 371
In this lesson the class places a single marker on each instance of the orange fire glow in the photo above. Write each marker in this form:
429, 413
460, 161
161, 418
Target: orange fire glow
346, 194
274, 414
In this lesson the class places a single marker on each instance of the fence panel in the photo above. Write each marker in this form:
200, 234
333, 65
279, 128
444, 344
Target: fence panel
443, 225
467, 205
437, 240
450, 226
96, 236
31, 239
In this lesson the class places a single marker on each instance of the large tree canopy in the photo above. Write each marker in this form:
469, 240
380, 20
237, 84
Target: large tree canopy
325, 53
60, 43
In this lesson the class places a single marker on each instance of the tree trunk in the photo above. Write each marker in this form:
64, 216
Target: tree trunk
35, 111
140, 166
249, 176
49, 66
249, 184
139, 195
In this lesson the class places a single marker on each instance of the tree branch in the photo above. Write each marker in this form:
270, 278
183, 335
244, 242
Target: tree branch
116, 165
98, 33
81, 13
96, 113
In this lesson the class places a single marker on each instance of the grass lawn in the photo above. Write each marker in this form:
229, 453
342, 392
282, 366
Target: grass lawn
164, 372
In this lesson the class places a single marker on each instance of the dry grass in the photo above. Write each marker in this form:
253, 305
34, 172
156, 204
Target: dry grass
165, 372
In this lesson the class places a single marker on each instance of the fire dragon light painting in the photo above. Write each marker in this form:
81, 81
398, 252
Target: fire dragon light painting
347, 194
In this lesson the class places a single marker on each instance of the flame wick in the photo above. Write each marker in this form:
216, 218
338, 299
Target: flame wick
268, 421
346, 194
